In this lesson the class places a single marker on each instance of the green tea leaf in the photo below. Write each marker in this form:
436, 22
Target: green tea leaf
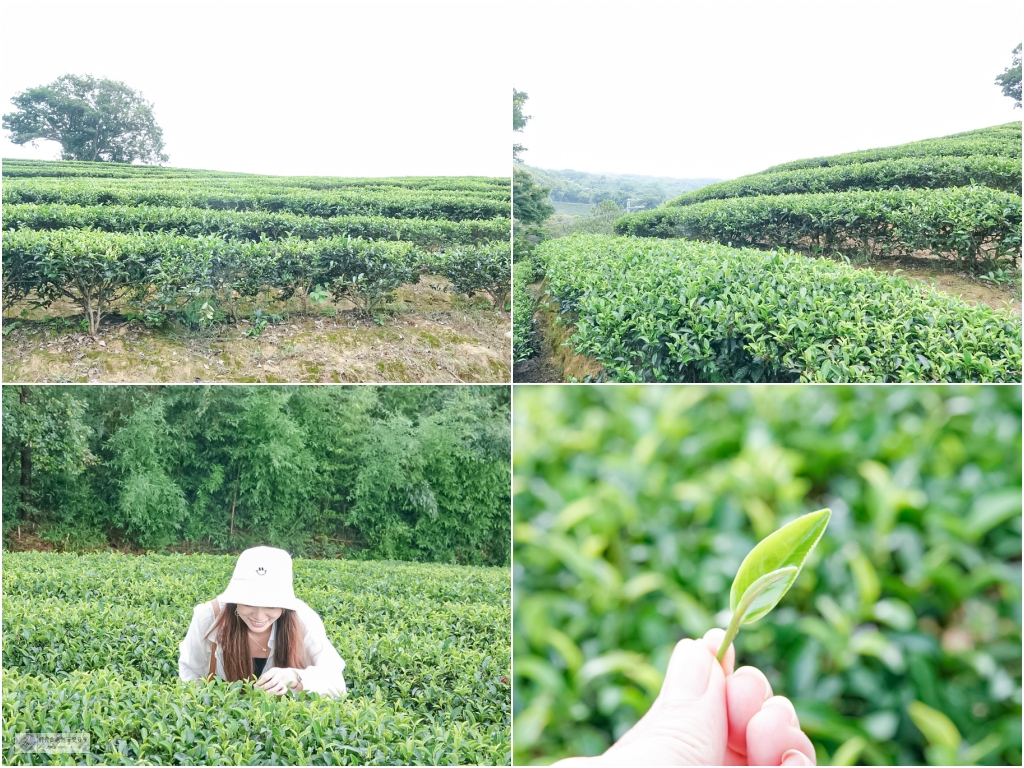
770, 569
765, 593
788, 546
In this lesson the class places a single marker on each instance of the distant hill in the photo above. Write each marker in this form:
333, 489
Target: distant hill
568, 186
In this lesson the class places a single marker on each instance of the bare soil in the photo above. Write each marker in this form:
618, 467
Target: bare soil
427, 336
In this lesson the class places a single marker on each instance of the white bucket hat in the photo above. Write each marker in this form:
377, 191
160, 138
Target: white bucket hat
262, 578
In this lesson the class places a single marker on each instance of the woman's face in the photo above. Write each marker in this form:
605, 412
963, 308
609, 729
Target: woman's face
258, 619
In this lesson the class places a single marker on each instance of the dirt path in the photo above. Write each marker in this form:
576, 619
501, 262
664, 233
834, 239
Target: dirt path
430, 337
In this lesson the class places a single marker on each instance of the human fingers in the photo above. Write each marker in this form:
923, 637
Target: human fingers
713, 639
746, 690
687, 724
774, 732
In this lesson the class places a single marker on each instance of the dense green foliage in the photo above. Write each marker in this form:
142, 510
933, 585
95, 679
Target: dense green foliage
169, 240
482, 268
529, 201
92, 119
249, 195
1009, 80
975, 226
912, 172
634, 507
999, 140
91, 645
413, 473
522, 312
677, 310
251, 225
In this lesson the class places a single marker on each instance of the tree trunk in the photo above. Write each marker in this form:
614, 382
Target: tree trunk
26, 460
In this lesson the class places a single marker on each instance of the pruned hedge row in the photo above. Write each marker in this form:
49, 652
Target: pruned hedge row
522, 312
251, 225
974, 226
913, 172
90, 645
654, 310
158, 273
26, 169
392, 203
998, 140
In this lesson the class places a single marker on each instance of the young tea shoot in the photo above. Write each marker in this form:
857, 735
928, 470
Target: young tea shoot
770, 569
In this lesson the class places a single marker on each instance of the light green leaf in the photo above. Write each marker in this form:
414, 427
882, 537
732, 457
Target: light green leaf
788, 546
765, 593
770, 569
936, 727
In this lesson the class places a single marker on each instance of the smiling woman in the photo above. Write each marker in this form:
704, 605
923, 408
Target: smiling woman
258, 628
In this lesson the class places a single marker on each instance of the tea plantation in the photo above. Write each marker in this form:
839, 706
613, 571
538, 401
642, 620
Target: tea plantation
635, 505
158, 243
91, 645
702, 308
957, 198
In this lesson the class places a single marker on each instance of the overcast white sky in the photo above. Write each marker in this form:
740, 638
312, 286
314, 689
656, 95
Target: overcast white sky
326, 88
725, 88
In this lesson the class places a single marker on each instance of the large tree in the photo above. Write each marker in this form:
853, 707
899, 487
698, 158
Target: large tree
1010, 79
95, 120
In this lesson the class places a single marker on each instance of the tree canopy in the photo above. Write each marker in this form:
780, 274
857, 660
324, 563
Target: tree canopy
529, 202
1010, 79
408, 473
92, 120
518, 120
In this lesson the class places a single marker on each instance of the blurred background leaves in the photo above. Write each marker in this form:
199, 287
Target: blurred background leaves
900, 643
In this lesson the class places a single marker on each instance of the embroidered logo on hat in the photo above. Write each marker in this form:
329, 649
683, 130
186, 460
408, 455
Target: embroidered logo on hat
262, 577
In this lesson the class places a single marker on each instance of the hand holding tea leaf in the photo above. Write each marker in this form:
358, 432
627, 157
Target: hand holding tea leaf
771, 568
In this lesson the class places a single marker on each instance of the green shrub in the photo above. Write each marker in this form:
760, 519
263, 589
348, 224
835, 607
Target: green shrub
656, 310
974, 226
163, 272
482, 268
251, 225
257, 195
999, 140
913, 173
634, 506
522, 312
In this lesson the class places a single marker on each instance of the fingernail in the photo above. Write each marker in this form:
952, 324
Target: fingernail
794, 757
693, 669
758, 675
783, 703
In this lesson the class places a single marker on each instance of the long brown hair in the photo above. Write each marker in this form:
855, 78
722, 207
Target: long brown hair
233, 637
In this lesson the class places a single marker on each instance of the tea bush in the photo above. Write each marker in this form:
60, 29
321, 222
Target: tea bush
634, 506
998, 140
251, 225
915, 173
656, 310
91, 645
155, 241
974, 226
522, 316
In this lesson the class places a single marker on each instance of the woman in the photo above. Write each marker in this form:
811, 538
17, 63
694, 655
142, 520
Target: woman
258, 628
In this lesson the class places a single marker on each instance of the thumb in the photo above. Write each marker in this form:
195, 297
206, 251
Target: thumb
691, 673
689, 715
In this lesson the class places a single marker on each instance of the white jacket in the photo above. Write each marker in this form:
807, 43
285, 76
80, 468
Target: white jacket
323, 676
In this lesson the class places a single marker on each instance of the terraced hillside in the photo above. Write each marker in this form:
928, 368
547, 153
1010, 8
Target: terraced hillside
745, 295
103, 259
